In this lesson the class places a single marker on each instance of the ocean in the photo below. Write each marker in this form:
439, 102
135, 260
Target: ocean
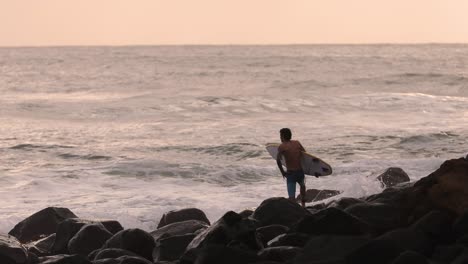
129, 133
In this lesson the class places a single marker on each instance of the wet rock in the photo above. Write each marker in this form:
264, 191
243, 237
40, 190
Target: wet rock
331, 221
90, 237
267, 233
410, 239
41, 247
460, 226
113, 253
183, 215
380, 217
171, 248
315, 195
69, 227
280, 211
124, 260
375, 251
11, 251
447, 253
180, 228
229, 228
393, 176
215, 254
246, 213
437, 225
40, 224
329, 249
64, 259
410, 257
290, 239
135, 240
279, 254
344, 202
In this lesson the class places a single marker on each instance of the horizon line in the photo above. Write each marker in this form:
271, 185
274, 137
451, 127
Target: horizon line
234, 44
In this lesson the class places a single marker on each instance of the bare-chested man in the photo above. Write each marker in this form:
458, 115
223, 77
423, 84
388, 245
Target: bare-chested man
291, 150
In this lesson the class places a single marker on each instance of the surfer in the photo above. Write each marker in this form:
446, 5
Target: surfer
291, 150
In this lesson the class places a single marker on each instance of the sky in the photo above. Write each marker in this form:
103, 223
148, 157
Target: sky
165, 22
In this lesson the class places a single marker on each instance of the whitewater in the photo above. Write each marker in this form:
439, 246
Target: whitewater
129, 133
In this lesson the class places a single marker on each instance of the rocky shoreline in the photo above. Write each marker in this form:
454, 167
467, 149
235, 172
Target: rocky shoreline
416, 222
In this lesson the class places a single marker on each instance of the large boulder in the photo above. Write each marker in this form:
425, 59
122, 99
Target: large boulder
381, 217
172, 247
89, 238
179, 228
289, 240
280, 211
183, 215
280, 254
40, 224
42, 247
331, 221
344, 202
135, 240
393, 176
69, 227
410, 257
112, 253
124, 260
215, 254
267, 233
315, 195
64, 259
11, 251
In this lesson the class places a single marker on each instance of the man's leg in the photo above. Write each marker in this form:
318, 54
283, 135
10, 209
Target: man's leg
291, 190
303, 193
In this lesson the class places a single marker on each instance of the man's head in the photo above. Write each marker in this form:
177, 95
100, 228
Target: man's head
285, 134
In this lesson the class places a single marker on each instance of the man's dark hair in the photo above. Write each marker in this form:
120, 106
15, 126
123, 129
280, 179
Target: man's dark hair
286, 133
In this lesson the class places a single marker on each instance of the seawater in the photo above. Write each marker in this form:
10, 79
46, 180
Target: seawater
128, 133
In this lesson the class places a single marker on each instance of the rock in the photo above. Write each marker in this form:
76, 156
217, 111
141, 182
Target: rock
11, 251
410, 257
329, 249
462, 258
179, 228
375, 251
64, 259
69, 227
437, 225
90, 237
315, 195
183, 215
279, 254
267, 233
124, 260
113, 253
171, 248
215, 254
231, 227
410, 239
344, 202
280, 211
40, 224
246, 213
41, 247
460, 226
393, 176
380, 217
447, 253
331, 221
135, 240
291, 240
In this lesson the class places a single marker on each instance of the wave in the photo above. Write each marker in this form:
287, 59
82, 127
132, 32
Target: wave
34, 146
84, 157
241, 150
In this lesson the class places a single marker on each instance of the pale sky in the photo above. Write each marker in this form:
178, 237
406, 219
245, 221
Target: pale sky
153, 22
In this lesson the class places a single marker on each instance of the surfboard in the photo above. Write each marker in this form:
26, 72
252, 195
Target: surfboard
311, 165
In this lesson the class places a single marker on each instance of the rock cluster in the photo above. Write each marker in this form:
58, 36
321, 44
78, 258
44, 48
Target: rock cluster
421, 222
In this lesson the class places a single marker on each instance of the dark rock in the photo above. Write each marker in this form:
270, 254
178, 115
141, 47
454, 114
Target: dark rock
437, 225
183, 215
215, 254
124, 260
291, 240
179, 228
380, 217
279, 211
267, 233
90, 237
40, 224
447, 253
463, 240
246, 213
462, 258
410, 239
11, 251
64, 259
316, 207
280, 254
315, 195
329, 249
460, 227
230, 227
41, 247
171, 248
69, 227
113, 253
375, 251
410, 257
135, 240
344, 202
331, 221
393, 176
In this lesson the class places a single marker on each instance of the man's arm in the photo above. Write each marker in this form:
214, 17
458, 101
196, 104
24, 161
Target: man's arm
278, 161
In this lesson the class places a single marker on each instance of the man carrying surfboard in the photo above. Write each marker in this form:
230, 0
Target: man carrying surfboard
292, 151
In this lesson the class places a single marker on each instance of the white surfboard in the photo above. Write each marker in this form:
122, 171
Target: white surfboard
311, 165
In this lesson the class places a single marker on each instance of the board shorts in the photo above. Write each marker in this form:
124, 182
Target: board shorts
293, 177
